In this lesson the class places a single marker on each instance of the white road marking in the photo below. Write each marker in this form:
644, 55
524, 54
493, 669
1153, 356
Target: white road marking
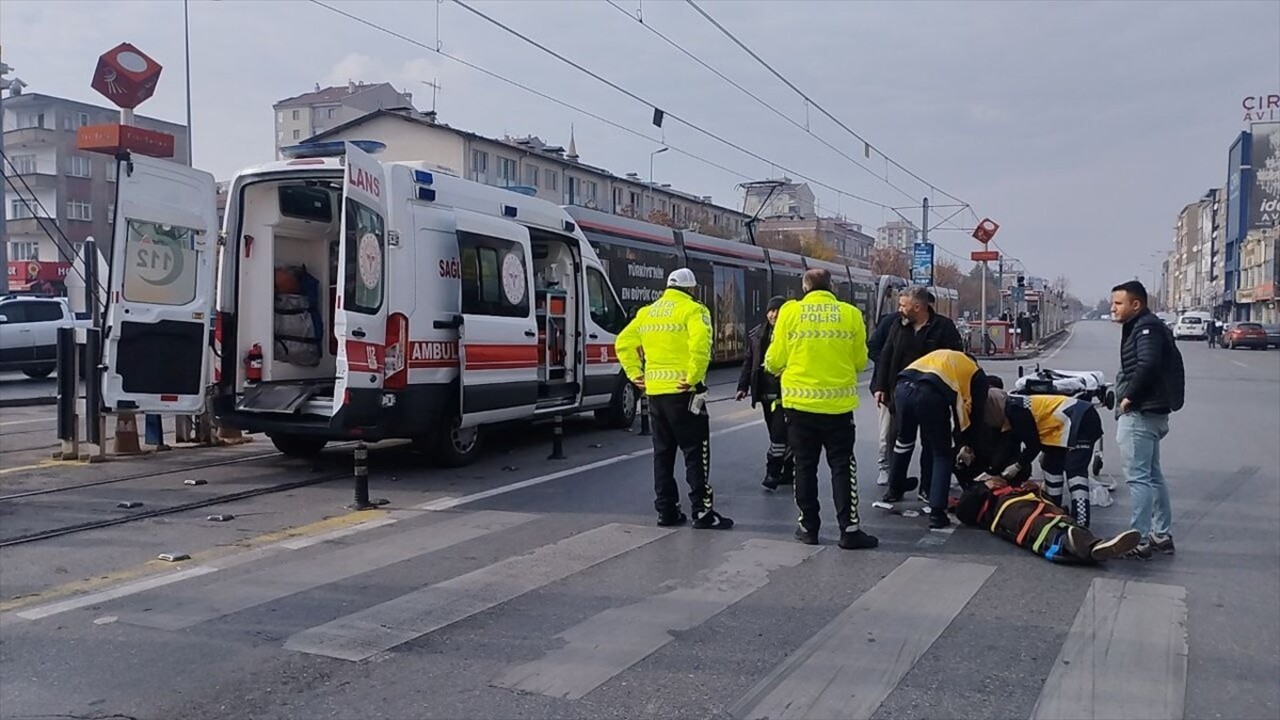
605, 645
849, 667
102, 596
1125, 656
1237, 362
180, 610
363, 634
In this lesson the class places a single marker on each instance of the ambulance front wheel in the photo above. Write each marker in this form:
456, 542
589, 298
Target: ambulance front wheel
621, 412
298, 446
457, 446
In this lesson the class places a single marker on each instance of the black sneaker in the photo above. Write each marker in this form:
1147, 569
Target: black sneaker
771, 482
712, 520
672, 519
808, 537
938, 520
1117, 546
857, 540
1162, 543
1142, 551
895, 496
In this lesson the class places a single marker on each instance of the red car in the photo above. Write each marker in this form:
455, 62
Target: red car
1245, 334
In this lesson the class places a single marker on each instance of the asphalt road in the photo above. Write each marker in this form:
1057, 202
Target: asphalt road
523, 587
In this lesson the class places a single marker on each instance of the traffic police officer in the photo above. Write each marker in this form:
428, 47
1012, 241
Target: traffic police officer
941, 396
674, 335
1065, 430
819, 347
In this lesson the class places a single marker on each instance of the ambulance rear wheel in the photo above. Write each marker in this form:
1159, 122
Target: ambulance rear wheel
457, 446
298, 446
621, 413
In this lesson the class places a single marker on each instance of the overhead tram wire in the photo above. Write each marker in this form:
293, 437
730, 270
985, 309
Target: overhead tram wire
759, 99
812, 102
611, 123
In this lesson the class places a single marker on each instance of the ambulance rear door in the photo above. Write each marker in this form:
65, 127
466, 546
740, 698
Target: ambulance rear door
360, 314
498, 339
163, 257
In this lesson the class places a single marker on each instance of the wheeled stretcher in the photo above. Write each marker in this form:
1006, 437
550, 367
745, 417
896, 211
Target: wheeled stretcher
1090, 385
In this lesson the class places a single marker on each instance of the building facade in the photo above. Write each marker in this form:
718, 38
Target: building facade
898, 234
831, 239
303, 116
551, 172
59, 194
769, 199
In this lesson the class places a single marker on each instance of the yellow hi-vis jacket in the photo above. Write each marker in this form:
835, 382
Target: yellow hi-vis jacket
675, 334
819, 347
959, 379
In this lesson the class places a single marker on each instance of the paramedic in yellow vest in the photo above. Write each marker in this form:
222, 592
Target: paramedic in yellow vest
819, 347
674, 334
942, 397
1064, 429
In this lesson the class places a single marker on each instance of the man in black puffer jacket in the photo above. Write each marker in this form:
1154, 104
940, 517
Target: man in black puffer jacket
1151, 385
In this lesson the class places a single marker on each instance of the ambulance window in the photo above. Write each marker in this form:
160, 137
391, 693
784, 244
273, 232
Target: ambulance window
605, 310
160, 264
364, 258
495, 278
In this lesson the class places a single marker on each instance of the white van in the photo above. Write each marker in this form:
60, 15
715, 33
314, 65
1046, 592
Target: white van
357, 299
1192, 325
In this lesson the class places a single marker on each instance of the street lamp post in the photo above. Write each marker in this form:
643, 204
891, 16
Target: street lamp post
652, 155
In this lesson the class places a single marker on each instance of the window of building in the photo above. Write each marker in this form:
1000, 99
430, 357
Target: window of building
280, 117
635, 201
296, 116
591, 190
531, 175
82, 119
617, 199
79, 166
25, 250
508, 174
572, 190
21, 164
19, 210
553, 179
77, 210
111, 213
331, 113
480, 166
297, 134
30, 120
605, 309
489, 282
111, 170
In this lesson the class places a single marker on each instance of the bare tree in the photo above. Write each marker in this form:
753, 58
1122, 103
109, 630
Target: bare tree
890, 261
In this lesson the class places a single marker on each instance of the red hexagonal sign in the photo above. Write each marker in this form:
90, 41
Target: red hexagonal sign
126, 76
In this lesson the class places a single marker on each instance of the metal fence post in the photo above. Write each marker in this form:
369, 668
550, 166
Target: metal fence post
68, 387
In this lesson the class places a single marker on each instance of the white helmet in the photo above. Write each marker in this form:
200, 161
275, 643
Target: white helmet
682, 278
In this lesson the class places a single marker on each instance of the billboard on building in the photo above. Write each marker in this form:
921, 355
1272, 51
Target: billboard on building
1238, 188
922, 264
1264, 166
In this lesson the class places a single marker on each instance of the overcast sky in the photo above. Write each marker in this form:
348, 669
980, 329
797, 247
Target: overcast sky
1082, 128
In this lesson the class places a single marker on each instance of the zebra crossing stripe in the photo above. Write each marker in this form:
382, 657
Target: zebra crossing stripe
840, 672
363, 634
192, 605
614, 640
1125, 656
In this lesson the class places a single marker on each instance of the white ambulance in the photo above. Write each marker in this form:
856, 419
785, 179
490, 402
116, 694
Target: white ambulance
356, 299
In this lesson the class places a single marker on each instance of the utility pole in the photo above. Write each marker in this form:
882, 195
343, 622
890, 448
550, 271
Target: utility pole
999, 283
14, 86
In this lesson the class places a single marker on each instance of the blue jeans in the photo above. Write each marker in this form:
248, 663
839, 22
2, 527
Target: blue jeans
1138, 436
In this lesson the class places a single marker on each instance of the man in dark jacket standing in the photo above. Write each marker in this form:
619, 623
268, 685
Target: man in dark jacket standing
1151, 384
915, 332
766, 389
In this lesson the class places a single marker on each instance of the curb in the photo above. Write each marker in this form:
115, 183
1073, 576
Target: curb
28, 402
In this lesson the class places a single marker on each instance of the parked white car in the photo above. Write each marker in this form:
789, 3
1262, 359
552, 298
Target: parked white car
29, 333
1192, 326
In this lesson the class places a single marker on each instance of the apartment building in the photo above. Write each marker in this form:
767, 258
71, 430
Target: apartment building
552, 172
309, 114
898, 234
834, 239
768, 199
62, 195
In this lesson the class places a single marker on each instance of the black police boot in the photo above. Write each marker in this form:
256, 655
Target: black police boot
771, 482
672, 519
938, 519
857, 540
808, 537
895, 495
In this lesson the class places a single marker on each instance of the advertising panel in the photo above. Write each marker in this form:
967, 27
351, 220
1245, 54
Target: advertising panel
1264, 166
922, 264
1237, 188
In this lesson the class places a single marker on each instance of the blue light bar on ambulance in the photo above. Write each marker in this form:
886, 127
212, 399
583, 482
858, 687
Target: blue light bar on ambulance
422, 177
337, 148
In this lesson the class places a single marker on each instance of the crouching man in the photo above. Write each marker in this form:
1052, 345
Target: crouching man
1028, 519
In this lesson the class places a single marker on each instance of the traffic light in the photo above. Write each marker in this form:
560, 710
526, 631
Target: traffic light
1022, 281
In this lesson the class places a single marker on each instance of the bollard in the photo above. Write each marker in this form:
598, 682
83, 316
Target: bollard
557, 438
361, 470
68, 389
644, 414
94, 422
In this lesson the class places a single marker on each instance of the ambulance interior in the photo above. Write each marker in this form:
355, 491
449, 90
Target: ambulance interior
288, 261
556, 308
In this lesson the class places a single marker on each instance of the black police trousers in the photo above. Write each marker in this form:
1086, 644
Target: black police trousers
809, 434
675, 427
